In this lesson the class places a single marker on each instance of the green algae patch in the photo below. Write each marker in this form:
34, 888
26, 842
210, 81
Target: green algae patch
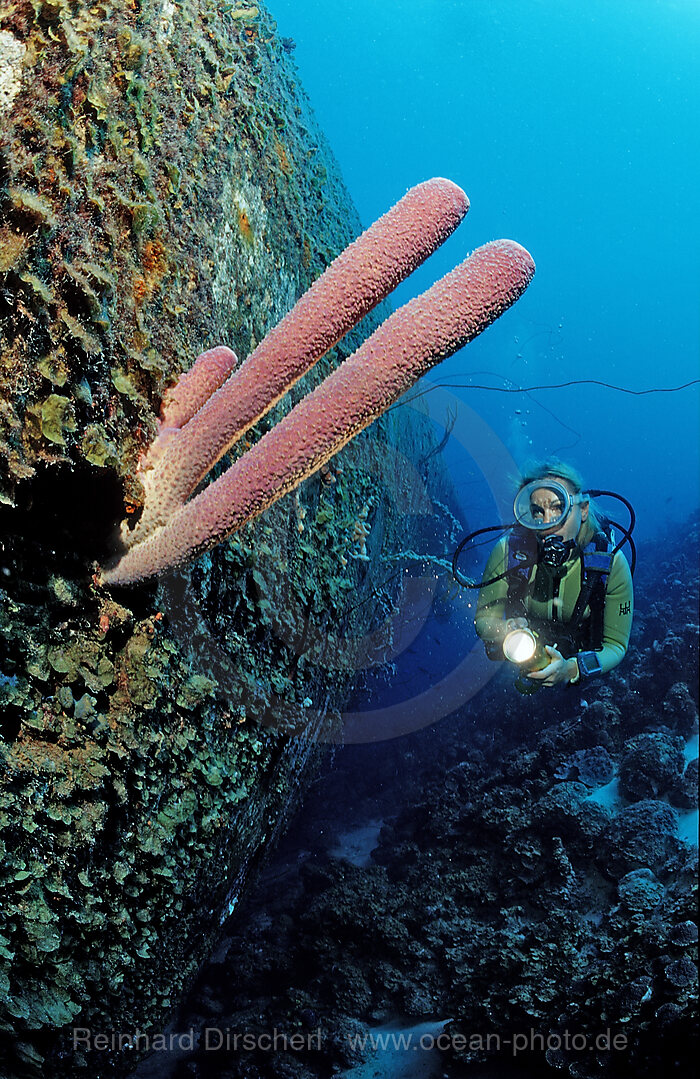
98, 448
54, 368
13, 246
32, 206
37, 286
57, 418
125, 384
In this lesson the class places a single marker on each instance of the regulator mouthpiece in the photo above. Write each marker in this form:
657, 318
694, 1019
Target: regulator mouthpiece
554, 551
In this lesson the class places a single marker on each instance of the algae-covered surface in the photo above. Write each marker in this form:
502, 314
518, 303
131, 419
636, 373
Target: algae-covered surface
163, 185
163, 188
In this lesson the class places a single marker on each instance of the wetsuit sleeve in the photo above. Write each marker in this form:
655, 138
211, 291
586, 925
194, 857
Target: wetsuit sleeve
618, 611
491, 605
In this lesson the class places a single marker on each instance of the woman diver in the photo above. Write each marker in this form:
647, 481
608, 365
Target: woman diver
557, 597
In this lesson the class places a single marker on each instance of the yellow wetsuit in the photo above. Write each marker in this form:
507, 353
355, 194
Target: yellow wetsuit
550, 598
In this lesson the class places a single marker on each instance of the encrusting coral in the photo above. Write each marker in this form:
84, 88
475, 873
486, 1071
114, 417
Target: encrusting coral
164, 182
411, 341
358, 537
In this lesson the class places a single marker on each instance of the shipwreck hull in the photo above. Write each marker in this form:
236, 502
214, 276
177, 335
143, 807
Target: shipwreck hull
163, 188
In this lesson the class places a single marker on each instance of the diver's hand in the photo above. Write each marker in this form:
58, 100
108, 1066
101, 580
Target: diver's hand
557, 670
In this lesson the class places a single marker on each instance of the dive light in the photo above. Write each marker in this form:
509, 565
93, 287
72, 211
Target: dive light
520, 645
523, 647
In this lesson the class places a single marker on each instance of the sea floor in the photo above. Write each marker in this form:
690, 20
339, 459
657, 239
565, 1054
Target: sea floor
326, 832
688, 821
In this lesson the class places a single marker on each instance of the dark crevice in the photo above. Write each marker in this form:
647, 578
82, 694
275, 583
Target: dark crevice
10, 722
65, 519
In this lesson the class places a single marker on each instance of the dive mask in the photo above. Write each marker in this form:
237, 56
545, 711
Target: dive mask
544, 503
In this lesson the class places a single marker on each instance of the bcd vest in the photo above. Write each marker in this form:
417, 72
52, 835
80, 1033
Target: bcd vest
596, 561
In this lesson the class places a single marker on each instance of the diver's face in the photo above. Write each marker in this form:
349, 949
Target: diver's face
546, 507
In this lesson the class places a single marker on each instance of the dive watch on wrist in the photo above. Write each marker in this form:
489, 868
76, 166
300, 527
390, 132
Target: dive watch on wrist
588, 663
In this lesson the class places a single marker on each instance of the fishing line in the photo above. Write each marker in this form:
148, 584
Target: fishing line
539, 404
551, 386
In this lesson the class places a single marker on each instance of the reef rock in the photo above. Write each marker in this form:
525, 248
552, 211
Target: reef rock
640, 890
651, 764
685, 791
163, 188
593, 766
642, 835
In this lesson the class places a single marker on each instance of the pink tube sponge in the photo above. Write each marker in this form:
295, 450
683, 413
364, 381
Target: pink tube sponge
355, 282
411, 341
193, 389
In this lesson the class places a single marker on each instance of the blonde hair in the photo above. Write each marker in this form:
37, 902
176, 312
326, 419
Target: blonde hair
552, 466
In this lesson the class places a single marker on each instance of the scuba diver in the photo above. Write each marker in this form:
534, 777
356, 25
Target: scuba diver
556, 599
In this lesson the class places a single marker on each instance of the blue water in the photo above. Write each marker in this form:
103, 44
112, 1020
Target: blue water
573, 129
